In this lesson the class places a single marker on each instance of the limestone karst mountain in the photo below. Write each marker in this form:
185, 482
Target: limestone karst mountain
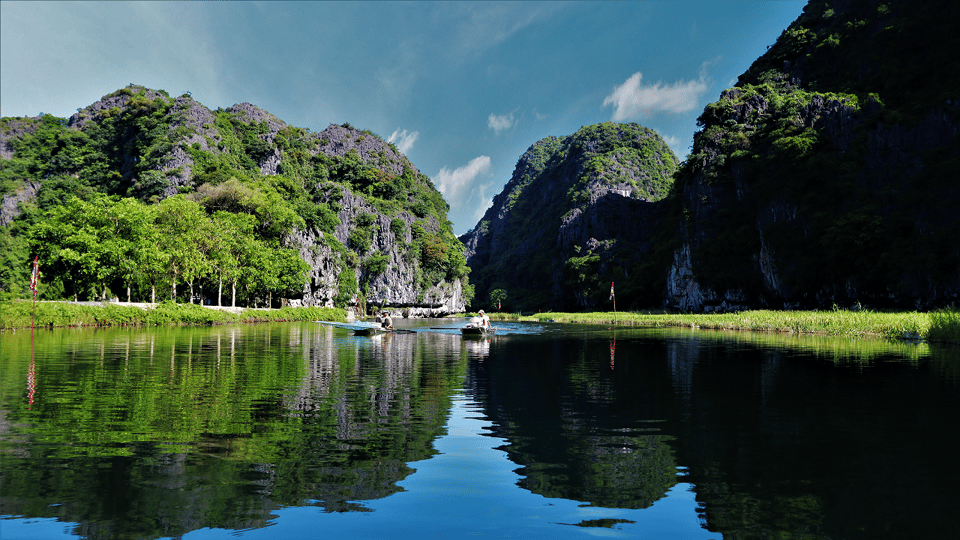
827, 176
579, 212
366, 222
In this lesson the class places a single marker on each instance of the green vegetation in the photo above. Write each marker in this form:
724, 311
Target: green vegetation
891, 47
568, 175
104, 222
796, 166
20, 314
941, 325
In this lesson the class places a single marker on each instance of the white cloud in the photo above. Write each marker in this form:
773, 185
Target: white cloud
633, 98
485, 202
403, 139
672, 142
452, 183
476, 27
501, 122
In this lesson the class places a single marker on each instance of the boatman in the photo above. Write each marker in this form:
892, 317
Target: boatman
387, 321
484, 319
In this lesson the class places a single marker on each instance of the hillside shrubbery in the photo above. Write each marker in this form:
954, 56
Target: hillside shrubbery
104, 220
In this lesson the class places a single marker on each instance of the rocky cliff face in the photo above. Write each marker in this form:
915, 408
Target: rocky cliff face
373, 227
578, 210
395, 287
812, 185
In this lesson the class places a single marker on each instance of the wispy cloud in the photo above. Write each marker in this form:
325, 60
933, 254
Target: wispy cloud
403, 139
476, 27
500, 122
675, 144
453, 183
633, 99
485, 202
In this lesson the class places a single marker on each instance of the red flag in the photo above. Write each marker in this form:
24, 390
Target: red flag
35, 278
611, 290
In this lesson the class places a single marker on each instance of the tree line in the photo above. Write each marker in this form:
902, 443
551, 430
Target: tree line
88, 249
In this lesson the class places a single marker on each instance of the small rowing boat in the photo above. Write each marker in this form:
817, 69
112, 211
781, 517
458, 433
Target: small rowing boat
359, 328
477, 330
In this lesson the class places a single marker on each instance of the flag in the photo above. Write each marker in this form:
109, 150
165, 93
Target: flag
611, 290
35, 277
498, 304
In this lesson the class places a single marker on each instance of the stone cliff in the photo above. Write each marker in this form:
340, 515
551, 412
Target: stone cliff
370, 225
577, 212
828, 175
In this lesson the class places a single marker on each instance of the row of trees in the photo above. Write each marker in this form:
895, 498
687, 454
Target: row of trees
89, 248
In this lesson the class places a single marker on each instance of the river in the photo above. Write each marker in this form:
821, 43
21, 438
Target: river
299, 430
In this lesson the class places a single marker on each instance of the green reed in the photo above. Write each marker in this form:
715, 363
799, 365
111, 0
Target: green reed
20, 314
941, 325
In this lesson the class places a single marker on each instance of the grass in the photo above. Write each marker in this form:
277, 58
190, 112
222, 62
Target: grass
19, 314
936, 326
943, 325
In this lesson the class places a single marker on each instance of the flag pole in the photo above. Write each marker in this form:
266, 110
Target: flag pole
34, 278
614, 298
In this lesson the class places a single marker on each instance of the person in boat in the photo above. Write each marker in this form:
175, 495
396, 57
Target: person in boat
386, 321
484, 319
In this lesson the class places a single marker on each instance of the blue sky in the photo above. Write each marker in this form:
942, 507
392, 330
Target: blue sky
462, 88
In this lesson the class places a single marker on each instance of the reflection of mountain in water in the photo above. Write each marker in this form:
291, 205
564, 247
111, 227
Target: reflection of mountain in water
581, 427
155, 434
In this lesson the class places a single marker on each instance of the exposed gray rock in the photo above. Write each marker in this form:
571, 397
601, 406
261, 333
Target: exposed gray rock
14, 129
10, 203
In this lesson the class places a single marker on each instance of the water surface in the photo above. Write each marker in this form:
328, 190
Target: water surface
543, 431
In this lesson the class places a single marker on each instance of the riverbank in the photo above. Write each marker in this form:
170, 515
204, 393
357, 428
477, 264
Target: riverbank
940, 326
19, 314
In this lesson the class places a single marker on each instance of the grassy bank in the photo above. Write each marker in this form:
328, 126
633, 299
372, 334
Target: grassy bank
19, 314
943, 325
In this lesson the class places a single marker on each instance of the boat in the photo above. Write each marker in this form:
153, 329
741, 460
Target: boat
362, 328
359, 328
477, 330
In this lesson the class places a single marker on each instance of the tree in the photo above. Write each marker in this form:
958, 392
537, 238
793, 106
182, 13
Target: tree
496, 296
183, 238
233, 233
76, 241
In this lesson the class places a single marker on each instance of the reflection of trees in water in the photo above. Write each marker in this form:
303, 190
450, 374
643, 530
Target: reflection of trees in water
807, 443
580, 429
166, 431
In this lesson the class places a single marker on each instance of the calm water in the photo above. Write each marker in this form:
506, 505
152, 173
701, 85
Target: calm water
543, 431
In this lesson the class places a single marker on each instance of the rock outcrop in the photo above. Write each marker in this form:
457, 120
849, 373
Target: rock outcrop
812, 186
372, 228
578, 210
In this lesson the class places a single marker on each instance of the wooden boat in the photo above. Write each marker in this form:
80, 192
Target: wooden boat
476, 330
359, 328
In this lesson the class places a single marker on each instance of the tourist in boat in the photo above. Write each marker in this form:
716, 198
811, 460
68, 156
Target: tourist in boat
386, 321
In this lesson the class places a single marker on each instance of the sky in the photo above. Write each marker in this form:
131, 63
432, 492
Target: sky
462, 88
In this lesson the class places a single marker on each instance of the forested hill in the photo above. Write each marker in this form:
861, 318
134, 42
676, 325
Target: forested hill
828, 175
143, 194
579, 212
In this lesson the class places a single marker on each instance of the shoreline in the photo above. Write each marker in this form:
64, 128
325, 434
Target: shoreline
937, 326
23, 314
